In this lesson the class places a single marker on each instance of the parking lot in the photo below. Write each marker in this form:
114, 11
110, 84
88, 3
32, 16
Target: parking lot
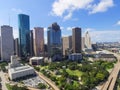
33, 81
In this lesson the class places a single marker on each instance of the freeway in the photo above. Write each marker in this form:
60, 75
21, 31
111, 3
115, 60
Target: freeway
110, 83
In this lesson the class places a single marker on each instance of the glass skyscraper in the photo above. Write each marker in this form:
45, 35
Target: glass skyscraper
24, 35
54, 39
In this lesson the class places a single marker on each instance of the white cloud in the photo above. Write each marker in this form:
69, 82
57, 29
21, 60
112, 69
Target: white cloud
102, 6
106, 35
118, 23
69, 28
65, 8
17, 10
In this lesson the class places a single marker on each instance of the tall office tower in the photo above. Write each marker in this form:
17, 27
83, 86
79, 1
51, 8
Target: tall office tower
38, 36
66, 44
16, 47
31, 43
54, 41
83, 43
24, 35
7, 43
76, 40
87, 41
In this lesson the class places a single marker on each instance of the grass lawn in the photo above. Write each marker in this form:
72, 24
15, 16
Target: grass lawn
74, 72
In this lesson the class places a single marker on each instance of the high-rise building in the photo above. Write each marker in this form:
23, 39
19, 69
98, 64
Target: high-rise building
24, 35
87, 41
83, 43
54, 41
7, 43
76, 40
66, 44
38, 36
16, 47
31, 43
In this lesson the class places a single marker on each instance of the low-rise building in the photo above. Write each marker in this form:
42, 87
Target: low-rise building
17, 70
105, 57
75, 57
36, 60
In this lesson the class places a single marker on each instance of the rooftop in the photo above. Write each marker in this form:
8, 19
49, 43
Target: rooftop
20, 69
36, 58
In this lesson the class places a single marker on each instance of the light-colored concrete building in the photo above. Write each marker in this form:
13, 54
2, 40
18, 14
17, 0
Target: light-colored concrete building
88, 44
66, 44
83, 43
7, 43
17, 70
36, 60
38, 38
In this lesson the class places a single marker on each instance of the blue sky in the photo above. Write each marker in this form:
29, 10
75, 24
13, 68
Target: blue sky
100, 17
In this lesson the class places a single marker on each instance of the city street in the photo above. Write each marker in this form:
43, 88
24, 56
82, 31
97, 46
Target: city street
3, 80
47, 80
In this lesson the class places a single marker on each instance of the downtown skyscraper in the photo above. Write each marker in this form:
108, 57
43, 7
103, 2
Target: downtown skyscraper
7, 43
76, 40
24, 35
38, 38
88, 44
54, 41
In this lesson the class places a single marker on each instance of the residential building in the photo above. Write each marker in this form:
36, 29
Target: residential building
24, 35
38, 37
76, 40
7, 43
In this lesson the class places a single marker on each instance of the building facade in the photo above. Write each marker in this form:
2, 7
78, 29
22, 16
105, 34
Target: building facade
16, 70
76, 40
16, 47
54, 41
24, 35
7, 42
38, 37
87, 41
83, 43
31, 43
66, 44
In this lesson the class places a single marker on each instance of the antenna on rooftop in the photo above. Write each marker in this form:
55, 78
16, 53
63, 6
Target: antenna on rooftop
9, 19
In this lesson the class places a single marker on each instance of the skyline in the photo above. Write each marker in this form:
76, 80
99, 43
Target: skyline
100, 18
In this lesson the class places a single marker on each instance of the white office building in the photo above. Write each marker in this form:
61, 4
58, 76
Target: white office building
87, 41
7, 46
36, 60
17, 70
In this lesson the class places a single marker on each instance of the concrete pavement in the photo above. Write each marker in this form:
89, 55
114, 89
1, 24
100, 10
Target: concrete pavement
3, 80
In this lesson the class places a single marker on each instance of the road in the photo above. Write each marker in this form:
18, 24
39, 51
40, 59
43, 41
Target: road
110, 83
48, 81
3, 80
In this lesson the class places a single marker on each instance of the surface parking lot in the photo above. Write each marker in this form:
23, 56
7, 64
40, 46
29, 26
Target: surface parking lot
33, 82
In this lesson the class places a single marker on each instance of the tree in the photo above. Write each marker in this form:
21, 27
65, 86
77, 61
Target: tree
42, 86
